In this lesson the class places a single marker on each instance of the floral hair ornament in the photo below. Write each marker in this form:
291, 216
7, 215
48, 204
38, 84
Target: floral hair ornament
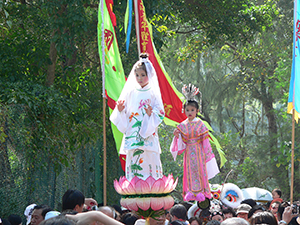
190, 91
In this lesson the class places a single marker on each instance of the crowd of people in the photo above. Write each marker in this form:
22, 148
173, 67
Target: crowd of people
76, 209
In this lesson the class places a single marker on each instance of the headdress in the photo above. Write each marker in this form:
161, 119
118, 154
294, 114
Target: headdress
190, 91
131, 82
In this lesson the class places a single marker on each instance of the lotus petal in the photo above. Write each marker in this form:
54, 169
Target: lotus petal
118, 188
171, 185
158, 186
150, 180
134, 180
164, 178
143, 203
169, 202
123, 203
142, 187
131, 189
175, 184
157, 203
124, 187
121, 180
168, 185
131, 204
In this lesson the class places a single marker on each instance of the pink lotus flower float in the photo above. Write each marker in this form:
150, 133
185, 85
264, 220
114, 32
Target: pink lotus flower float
146, 195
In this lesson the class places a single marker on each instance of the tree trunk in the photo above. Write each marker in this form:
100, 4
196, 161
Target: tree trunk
6, 178
51, 68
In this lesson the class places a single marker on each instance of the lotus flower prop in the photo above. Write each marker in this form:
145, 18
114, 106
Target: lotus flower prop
146, 195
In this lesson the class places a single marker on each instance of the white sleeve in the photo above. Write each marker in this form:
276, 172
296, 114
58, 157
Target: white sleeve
150, 123
212, 168
119, 119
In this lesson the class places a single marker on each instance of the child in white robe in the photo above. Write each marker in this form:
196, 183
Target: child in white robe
138, 113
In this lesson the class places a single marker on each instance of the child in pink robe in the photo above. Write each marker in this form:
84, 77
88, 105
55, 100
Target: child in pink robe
192, 138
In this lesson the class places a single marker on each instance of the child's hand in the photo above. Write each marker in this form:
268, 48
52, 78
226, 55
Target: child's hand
148, 110
120, 105
176, 133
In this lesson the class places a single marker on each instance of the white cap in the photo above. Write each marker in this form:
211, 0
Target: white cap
28, 212
51, 214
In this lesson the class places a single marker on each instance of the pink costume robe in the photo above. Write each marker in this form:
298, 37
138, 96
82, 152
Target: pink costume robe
199, 161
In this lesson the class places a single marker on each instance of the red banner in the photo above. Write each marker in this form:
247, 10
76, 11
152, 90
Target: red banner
172, 103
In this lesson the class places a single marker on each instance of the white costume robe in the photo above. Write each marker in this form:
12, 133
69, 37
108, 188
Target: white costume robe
140, 141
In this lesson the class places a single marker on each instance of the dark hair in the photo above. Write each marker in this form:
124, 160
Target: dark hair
72, 198
117, 208
61, 220
281, 208
254, 209
5, 222
278, 191
213, 222
249, 201
229, 210
177, 222
179, 211
193, 219
44, 208
129, 218
263, 218
14, 219
141, 65
191, 103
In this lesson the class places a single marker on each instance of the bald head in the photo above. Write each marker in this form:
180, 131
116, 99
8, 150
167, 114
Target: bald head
235, 221
107, 210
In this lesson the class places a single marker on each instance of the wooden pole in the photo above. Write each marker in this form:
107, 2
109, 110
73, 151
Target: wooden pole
104, 102
104, 152
292, 157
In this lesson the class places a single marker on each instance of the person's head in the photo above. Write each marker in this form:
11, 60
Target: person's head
249, 201
177, 222
243, 211
129, 218
191, 109
263, 218
61, 220
274, 207
28, 212
235, 221
15, 219
161, 220
276, 193
228, 213
218, 216
38, 214
4, 222
213, 222
194, 221
256, 209
141, 71
178, 212
107, 210
73, 200
281, 210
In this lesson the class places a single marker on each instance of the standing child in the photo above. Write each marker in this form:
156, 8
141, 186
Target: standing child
138, 113
192, 137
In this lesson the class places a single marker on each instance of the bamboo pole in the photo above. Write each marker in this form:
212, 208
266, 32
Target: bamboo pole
292, 157
104, 102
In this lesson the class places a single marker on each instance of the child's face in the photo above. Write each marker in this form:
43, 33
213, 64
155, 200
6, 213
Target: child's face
141, 77
275, 195
191, 112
